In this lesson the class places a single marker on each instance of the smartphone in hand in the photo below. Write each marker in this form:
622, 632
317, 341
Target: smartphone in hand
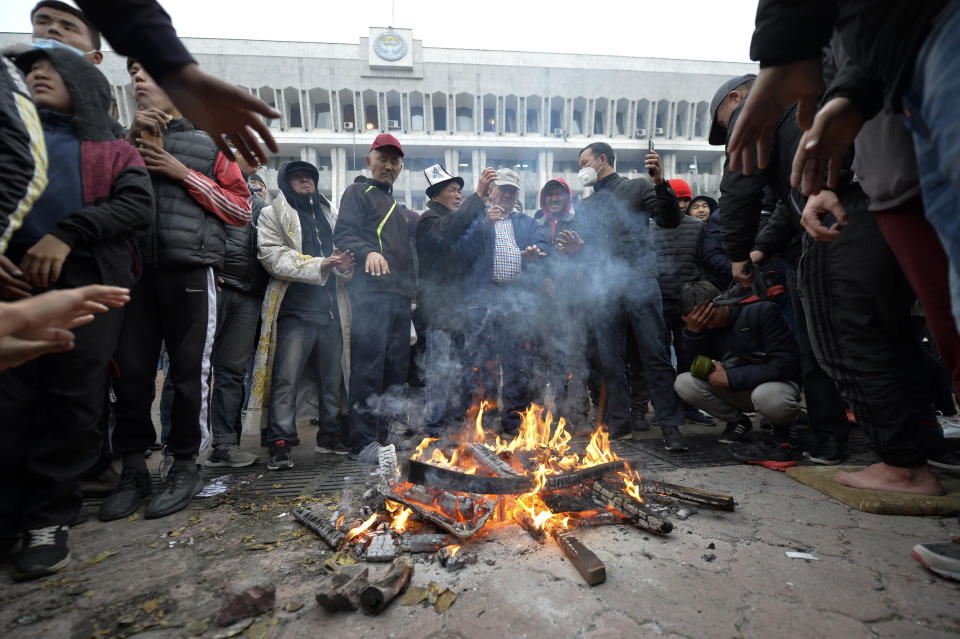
649, 150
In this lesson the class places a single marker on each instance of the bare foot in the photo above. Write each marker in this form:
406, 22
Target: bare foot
894, 479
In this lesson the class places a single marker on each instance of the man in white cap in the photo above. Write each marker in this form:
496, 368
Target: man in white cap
440, 297
496, 248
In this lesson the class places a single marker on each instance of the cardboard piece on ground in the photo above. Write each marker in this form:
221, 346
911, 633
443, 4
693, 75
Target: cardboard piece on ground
823, 478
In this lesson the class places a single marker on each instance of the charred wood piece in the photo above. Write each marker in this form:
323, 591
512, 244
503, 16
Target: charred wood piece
381, 548
636, 511
587, 564
422, 543
389, 468
322, 529
605, 518
693, 495
568, 480
460, 529
429, 475
564, 502
489, 460
377, 596
341, 590
455, 559
526, 522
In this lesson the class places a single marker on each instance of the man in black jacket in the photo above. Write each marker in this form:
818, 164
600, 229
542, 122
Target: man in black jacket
373, 227
197, 191
756, 365
742, 203
242, 284
440, 295
622, 283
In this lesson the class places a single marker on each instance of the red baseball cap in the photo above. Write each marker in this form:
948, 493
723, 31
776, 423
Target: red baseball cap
385, 139
681, 188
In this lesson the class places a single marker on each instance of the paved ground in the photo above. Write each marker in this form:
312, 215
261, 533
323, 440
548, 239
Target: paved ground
166, 578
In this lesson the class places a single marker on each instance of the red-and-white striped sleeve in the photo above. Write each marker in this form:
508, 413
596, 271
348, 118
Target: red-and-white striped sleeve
228, 197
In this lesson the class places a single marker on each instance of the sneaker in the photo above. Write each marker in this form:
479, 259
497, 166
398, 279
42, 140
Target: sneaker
165, 464
369, 454
639, 424
672, 439
44, 552
737, 295
280, 456
330, 445
942, 558
230, 455
698, 417
827, 451
950, 426
948, 460
181, 485
132, 488
764, 451
736, 431
620, 435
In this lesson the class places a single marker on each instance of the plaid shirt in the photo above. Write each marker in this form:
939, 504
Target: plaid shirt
506, 253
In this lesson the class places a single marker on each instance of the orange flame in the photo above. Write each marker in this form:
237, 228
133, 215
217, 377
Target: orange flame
362, 528
401, 514
452, 550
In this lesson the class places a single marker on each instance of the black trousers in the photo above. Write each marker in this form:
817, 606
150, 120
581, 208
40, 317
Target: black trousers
857, 304
51, 408
379, 360
179, 307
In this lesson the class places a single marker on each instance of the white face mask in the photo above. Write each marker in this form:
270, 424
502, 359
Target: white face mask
46, 43
588, 175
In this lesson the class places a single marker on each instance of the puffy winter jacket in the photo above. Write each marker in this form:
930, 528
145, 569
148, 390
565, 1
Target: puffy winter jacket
241, 268
679, 253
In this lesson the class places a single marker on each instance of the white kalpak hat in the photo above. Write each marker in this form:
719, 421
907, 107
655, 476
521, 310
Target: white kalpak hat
437, 178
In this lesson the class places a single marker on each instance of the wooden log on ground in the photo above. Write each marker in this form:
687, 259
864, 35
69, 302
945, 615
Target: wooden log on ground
587, 564
636, 511
341, 590
322, 529
523, 518
377, 596
694, 495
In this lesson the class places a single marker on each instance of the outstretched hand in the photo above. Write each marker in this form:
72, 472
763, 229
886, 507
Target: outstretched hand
222, 110
775, 89
532, 253
822, 148
486, 179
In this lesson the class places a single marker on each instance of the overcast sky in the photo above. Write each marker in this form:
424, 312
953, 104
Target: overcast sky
691, 29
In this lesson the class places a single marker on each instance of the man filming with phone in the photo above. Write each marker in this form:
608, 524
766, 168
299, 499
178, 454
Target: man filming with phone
622, 278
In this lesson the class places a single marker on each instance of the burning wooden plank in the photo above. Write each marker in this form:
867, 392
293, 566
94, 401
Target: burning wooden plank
422, 543
636, 511
587, 564
322, 529
526, 522
489, 460
426, 474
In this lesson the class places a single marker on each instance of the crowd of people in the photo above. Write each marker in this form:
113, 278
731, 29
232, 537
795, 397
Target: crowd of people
790, 302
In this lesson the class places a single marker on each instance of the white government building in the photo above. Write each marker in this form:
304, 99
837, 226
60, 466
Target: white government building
464, 108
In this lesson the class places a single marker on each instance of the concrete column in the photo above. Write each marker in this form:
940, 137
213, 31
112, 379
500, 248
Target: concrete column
652, 128
336, 116
405, 112
542, 172
612, 118
669, 165
548, 165
427, 113
501, 114
691, 121
381, 123
338, 167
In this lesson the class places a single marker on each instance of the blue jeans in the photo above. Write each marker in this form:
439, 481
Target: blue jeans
296, 340
444, 371
642, 309
237, 317
931, 110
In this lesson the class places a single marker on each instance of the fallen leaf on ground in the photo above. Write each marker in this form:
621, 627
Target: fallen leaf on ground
293, 606
96, 560
444, 601
149, 606
414, 595
133, 517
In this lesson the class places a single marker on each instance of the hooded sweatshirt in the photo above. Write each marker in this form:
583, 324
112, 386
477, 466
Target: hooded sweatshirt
548, 220
99, 190
310, 302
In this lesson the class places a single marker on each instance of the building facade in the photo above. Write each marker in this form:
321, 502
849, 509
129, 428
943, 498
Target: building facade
464, 108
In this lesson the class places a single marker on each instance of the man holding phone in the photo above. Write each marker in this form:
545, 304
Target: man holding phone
622, 279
